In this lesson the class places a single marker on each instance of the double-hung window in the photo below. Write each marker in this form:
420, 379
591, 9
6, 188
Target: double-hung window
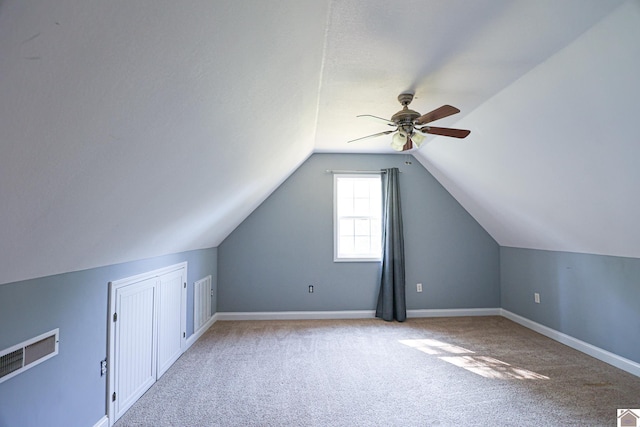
357, 217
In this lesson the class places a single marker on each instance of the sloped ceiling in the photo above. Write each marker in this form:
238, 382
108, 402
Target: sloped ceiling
554, 160
135, 129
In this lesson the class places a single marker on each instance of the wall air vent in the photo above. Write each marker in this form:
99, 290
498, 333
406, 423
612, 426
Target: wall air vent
28, 354
201, 303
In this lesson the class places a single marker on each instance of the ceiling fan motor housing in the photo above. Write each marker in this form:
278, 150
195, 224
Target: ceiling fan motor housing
405, 117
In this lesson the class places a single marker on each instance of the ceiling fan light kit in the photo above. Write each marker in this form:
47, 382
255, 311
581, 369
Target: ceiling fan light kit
408, 133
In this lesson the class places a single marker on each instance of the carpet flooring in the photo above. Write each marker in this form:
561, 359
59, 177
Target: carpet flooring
471, 371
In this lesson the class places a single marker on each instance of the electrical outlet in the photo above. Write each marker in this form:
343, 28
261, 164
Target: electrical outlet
536, 298
419, 287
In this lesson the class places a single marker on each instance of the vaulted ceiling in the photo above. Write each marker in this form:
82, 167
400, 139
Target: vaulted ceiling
135, 129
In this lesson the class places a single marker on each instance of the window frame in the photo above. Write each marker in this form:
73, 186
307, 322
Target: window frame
337, 257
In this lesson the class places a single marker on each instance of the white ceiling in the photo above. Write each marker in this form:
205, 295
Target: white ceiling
135, 129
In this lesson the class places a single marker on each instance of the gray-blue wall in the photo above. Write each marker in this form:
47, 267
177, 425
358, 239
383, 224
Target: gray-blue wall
593, 298
286, 244
67, 390
267, 263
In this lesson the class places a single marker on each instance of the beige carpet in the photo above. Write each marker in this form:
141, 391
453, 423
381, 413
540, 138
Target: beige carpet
471, 371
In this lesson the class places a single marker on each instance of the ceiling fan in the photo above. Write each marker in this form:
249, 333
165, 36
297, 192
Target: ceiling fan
409, 125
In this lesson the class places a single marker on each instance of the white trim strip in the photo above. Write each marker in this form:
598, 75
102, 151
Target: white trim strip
297, 315
454, 312
351, 314
593, 351
148, 275
102, 422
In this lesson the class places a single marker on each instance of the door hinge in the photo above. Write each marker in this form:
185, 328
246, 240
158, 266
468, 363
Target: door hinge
115, 316
185, 285
113, 397
184, 335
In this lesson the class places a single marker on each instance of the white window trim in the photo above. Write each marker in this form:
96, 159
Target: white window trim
335, 219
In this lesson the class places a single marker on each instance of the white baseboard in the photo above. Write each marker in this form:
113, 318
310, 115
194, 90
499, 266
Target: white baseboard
197, 334
593, 351
297, 315
102, 422
454, 312
352, 314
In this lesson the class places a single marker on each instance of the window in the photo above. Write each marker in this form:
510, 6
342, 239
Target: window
357, 217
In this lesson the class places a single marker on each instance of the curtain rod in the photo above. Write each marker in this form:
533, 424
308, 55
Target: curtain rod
355, 171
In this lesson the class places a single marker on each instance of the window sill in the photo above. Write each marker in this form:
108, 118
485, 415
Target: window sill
357, 259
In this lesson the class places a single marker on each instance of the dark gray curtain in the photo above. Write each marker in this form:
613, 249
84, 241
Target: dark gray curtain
391, 299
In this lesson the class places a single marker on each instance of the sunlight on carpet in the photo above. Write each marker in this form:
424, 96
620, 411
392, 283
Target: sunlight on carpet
488, 367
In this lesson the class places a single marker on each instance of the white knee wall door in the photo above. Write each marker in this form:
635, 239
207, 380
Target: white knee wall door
147, 333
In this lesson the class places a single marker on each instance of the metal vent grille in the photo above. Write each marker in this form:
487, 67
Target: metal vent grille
25, 355
11, 362
38, 350
201, 302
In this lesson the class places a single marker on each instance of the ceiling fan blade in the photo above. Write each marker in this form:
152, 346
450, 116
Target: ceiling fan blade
388, 122
456, 133
408, 146
437, 114
386, 132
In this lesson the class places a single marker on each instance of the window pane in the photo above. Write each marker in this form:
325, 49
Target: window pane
358, 210
376, 202
376, 246
345, 206
362, 227
361, 207
346, 227
346, 246
362, 244
361, 188
345, 188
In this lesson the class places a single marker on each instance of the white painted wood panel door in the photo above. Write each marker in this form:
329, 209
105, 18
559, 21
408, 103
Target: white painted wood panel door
147, 332
171, 319
135, 361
